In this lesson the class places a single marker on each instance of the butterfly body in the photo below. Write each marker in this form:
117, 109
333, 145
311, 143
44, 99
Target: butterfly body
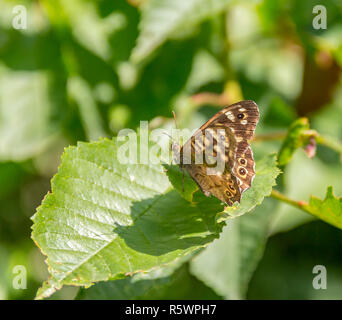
222, 143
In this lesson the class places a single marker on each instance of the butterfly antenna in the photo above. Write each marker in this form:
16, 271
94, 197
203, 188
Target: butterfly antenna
164, 132
174, 117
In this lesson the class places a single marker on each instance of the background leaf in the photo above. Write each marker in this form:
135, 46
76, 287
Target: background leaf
160, 18
289, 260
27, 126
228, 263
179, 285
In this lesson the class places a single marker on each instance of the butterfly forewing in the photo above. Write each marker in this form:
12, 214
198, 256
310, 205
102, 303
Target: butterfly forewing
225, 137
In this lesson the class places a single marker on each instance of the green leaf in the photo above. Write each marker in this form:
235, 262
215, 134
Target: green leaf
26, 109
93, 30
161, 18
328, 210
293, 141
106, 220
304, 178
286, 270
4, 274
179, 285
80, 91
199, 76
228, 263
262, 60
266, 172
279, 113
182, 182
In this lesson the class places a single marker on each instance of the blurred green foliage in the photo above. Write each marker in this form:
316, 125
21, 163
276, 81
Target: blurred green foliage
85, 69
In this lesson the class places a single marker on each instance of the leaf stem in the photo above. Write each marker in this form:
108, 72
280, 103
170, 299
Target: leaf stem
329, 142
303, 205
270, 136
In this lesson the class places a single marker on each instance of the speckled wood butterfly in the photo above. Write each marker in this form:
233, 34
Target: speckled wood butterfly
222, 139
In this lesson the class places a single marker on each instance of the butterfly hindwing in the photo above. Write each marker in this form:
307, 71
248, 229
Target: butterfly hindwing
223, 187
244, 170
215, 142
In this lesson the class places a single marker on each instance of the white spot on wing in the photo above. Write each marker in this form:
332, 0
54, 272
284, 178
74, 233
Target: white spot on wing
230, 116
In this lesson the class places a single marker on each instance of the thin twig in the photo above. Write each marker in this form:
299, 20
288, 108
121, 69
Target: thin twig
211, 99
303, 205
329, 142
270, 136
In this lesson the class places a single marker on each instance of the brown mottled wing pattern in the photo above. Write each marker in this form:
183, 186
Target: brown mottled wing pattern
238, 122
223, 187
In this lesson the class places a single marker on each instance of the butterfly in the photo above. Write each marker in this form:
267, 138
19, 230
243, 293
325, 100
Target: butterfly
223, 139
